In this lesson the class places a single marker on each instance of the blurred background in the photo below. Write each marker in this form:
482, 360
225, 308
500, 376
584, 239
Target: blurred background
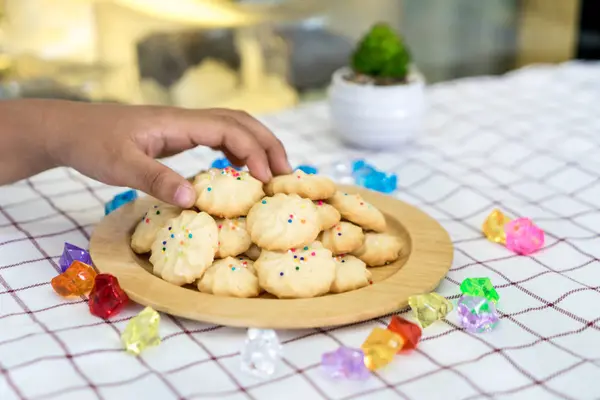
266, 55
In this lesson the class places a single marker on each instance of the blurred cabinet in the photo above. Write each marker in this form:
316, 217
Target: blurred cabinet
548, 31
456, 38
225, 56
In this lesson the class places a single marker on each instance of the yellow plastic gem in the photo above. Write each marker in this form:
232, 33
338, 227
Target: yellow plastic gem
429, 308
493, 227
141, 332
380, 348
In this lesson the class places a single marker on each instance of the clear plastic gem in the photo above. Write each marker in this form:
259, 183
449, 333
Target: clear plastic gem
261, 353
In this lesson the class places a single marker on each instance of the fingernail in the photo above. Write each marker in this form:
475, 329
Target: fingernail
185, 196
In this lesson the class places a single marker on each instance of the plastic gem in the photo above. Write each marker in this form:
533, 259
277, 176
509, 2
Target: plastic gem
77, 280
480, 287
477, 314
72, 253
120, 200
493, 227
345, 362
380, 348
340, 172
411, 333
429, 308
261, 352
223, 163
523, 237
141, 331
368, 176
308, 169
107, 298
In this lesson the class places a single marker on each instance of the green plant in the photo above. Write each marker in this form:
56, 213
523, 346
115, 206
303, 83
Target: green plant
382, 55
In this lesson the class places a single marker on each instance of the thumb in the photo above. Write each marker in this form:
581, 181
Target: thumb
148, 175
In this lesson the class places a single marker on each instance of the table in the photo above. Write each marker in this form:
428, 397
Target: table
527, 142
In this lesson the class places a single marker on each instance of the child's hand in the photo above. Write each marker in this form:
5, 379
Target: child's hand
117, 144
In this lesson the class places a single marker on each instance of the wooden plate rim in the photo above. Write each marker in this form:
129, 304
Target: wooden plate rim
427, 264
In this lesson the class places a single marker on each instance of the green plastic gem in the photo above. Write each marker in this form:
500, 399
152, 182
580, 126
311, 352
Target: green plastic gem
480, 287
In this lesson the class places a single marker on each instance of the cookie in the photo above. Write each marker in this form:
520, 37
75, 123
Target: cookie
253, 252
379, 249
234, 239
227, 193
282, 222
355, 209
146, 230
309, 186
343, 238
297, 273
328, 215
350, 273
185, 247
233, 277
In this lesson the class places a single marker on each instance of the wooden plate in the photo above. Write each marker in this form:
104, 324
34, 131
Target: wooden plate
425, 260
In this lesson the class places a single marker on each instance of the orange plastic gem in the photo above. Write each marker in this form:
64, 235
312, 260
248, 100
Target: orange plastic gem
380, 347
77, 280
411, 333
493, 227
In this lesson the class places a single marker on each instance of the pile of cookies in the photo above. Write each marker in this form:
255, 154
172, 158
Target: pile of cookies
296, 237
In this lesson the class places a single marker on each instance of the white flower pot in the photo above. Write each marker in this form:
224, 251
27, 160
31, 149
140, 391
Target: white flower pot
376, 117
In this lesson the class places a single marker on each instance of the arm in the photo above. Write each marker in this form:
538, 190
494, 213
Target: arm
117, 144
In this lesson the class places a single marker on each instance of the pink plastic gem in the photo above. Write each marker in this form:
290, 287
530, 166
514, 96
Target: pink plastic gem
523, 237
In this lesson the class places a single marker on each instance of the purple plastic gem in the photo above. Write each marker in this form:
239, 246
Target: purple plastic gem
223, 163
120, 200
477, 314
368, 176
345, 362
308, 169
73, 253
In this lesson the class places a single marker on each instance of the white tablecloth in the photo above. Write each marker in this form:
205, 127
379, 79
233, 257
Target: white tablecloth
528, 143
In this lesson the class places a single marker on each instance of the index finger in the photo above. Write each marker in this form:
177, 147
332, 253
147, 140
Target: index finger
278, 160
222, 131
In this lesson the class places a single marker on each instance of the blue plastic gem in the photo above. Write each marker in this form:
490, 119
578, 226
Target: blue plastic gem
308, 169
120, 200
368, 176
222, 163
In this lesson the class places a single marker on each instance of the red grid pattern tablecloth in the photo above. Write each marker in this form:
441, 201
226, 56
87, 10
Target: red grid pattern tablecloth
528, 142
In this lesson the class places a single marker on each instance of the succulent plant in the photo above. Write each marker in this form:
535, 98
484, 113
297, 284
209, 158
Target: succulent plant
382, 55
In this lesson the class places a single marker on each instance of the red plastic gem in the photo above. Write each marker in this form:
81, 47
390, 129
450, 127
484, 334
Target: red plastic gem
107, 298
411, 333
